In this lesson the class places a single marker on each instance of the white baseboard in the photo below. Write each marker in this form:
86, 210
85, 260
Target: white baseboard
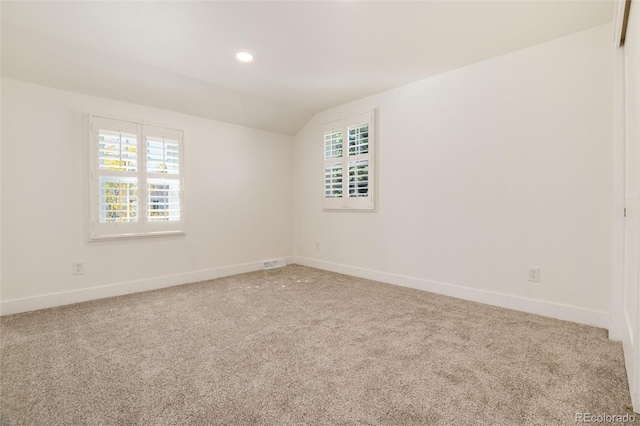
548, 309
15, 306
539, 307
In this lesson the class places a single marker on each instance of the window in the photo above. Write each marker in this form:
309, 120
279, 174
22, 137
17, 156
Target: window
136, 179
348, 166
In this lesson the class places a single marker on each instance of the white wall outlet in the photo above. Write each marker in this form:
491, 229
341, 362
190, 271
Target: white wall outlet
534, 274
317, 246
77, 268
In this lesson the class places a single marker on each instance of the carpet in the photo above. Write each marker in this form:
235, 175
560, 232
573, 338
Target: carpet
301, 346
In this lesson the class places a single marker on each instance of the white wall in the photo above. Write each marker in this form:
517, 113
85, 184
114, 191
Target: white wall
238, 202
483, 172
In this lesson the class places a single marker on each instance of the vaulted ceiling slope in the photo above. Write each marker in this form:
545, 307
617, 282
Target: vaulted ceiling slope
309, 56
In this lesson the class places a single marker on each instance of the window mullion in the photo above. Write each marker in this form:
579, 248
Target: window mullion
120, 149
164, 153
345, 166
116, 174
142, 170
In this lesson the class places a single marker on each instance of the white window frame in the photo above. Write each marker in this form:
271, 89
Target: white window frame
143, 226
345, 201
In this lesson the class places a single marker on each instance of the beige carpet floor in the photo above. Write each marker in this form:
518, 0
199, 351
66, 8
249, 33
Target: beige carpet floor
300, 346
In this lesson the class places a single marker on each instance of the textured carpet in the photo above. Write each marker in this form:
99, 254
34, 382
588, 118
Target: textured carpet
297, 345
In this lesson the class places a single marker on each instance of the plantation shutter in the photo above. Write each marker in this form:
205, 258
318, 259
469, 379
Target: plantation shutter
137, 185
349, 163
115, 177
333, 134
163, 189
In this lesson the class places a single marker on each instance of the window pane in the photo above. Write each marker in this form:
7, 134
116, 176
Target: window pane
359, 178
359, 140
117, 151
163, 156
118, 199
163, 199
333, 145
333, 180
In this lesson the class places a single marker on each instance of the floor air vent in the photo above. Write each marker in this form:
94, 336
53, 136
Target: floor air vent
275, 264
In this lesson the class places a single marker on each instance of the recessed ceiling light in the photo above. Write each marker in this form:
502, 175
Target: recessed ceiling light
244, 56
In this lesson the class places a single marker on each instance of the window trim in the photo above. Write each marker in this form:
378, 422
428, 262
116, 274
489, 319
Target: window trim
143, 228
346, 203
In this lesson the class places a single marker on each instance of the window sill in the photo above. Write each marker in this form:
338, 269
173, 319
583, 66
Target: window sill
349, 209
136, 236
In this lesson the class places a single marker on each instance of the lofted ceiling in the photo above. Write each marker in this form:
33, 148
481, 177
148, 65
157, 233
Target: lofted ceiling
309, 55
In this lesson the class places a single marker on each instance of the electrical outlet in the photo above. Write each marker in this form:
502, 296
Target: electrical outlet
317, 246
77, 268
534, 274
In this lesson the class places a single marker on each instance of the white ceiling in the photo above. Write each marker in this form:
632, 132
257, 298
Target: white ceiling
309, 55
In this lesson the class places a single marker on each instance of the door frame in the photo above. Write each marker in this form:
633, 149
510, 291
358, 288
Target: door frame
619, 328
